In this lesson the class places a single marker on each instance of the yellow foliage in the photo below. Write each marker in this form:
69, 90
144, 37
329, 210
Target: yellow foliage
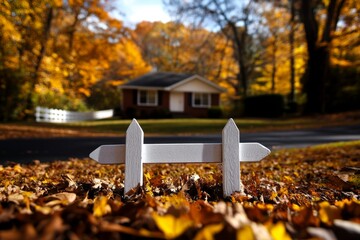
278, 231
101, 206
17, 168
172, 226
327, 213
245, 233
208, 232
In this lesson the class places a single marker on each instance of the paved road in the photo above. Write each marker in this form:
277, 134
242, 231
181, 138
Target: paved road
27, 150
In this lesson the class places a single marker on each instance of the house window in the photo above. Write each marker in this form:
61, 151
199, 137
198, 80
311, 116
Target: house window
201, 100
147, 98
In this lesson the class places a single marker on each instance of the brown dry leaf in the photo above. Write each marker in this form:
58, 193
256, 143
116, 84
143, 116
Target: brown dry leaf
63, 198
202, 213
53, 226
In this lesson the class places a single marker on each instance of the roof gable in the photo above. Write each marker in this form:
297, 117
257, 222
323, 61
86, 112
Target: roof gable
195, 82
157, 80
170, 81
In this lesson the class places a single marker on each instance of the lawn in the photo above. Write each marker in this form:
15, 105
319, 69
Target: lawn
309, 193
172, 126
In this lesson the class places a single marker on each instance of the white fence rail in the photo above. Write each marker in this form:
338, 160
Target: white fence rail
134, 153
62, 116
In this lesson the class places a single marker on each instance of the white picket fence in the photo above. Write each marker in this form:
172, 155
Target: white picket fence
62, 116
134, 153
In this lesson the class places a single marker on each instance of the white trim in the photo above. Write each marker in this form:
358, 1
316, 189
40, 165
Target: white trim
201, 105
193, 77
147, 98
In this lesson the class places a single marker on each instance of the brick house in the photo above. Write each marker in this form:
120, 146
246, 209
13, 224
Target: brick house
170, 94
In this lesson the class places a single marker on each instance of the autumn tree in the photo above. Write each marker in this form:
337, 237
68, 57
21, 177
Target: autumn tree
175, 47
280, 67
234, 21
53, 52
319, 38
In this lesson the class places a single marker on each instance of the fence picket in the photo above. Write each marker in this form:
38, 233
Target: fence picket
135, 153
231, 158
133, 156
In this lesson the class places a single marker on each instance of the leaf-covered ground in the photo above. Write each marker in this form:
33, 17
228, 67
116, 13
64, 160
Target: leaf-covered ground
308, 193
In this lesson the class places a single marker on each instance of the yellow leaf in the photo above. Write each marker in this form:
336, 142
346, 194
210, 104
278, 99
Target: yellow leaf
101, 207
328, 213
43, 209
245, 232
288, 179
147, 176
295, 207
208, 232
18, 168
278, 232
171, 226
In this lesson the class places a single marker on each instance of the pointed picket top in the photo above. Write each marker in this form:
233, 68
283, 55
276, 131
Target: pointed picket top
231, 126
253, 152
231, 158
96, 154
134, 127
133, 156
109, 154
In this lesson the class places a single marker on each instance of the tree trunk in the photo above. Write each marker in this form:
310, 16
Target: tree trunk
292, 57
34, 80
319, 52
274, 68
314, 85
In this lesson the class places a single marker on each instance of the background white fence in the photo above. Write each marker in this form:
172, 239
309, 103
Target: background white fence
134, 153
62, 116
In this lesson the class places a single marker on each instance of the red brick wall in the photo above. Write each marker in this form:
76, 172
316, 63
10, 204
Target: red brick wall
131, 109
197, 111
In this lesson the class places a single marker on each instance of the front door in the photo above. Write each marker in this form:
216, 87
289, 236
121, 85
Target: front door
177, 102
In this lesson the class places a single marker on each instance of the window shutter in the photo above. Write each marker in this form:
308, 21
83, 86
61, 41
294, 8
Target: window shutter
190, 99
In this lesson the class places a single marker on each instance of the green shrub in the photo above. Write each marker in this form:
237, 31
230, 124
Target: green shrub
267, 105
215, 112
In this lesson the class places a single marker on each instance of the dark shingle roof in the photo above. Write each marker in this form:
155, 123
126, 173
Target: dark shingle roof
159, 79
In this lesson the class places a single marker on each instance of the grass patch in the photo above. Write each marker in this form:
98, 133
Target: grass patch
202, 126
188, 126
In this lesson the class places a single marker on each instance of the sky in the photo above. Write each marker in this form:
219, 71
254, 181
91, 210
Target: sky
134, 11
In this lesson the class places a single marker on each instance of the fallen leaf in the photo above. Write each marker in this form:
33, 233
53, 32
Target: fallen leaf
328, 213
63, 198
171, 226
278, 232
245, 232
208, 232
101, 206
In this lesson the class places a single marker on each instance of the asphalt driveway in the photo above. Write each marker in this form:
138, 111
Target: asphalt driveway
50, 149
